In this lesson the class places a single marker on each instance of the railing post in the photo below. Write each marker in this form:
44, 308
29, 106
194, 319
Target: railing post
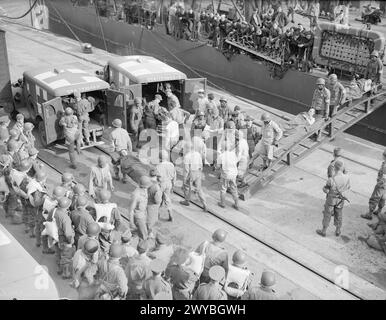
289, 158
367, 106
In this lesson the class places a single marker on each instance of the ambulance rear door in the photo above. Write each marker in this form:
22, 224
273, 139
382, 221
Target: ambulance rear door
115, 101
191, 87
49, 128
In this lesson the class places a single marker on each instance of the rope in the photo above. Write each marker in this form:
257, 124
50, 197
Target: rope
22, 16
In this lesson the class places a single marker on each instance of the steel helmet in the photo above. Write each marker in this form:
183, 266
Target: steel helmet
216, 273
239, 257
145, 182
25, 165
117, 123
19, 116
32, 151
28, 126
64, 202
105, 195
219, 235
164, 155
67, 177
320, 81
14, 133
154, 173
102, 161
59, 192
200, 114
137, 100
267, 279
338, 165
81, 201
333, 76
79, 189
40, 175
375, 53
230, 125
93, 229
337, 152
91, 246
69, 111
12, 146
265, 117
115, 251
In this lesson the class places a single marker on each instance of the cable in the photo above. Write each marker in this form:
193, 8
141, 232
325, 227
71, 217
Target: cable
22, 16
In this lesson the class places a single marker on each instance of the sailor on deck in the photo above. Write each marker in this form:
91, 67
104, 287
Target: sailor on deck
321, 103
69, 122
239, 277
374, 68
100, 177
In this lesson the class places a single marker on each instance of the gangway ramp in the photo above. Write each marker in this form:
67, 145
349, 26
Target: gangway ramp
287, 156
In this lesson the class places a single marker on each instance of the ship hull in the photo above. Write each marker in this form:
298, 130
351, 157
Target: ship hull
241, 75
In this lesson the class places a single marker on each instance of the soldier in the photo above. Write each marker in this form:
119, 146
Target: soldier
84, 268
19, 126
129, 250
137, 208
378, 197
150, 112
64, 248
337, 157
239, 277
79, 190
377, 241
69, 122
107, 209
4, 133
30, 138
199, 124
202, 102
100, 177
178, 114
156, 284
227, 162
337, 95
192, 176
162, 250
215, 254
135, 122
212, 290
83, 107
81, 218
335, 188
264, 291
374, 68
107, 237
270, 136
173, 101
137, 271
224, 110
154, 200
92, 232
68, 184
114, 280
321, 103
253, 134
171, 132
167, 179
120, 140
242, 153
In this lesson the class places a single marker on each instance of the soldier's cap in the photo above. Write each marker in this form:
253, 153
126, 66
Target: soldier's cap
210, 96
223, 99
374, 54
142, 246
157, 265
216, 273
138, 100
19, 116
117, 123
158, 96
237, 108
154, 173
126, 236
160, 238
338, 164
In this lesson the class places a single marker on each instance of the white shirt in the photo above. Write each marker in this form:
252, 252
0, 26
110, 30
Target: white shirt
192, 161
172, 134
243, 149
228, 161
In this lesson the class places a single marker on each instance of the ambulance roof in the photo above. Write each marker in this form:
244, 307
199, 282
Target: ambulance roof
62, 82
145, 69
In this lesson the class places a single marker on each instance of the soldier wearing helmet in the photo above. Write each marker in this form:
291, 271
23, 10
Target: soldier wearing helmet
215, 253
154, 200
163, 248
4, 133
134, 125
202, 102
107, 209
265, 290
28, 127
69, 122
270, 136
212, 290
83, 106
336, 189
81, 218
321, 102
167, 180
68, 184
120, 141
151, 112
337, 156
138, 206
377, 240
79, 190
374, 68
337, 95
92, 232
114, 280
239, 277
199, 125
378, 197
19, 126
156, 283
100, 177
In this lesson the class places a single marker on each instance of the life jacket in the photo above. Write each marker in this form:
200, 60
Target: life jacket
17, 177
238, 277
32, 187
48, 206
196, 261
104, 210
51, 230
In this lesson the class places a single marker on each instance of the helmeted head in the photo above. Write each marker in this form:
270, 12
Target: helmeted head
164, 155
154, 174
333, 78
145, 182
200, 114
126, 236
25, 165
28, 126
33, 152
14, 134
58, 192
64, 203
223, 101
239, 258
268, 279
93, 229
20, 118
116, 251
201, 93
216, 273
338, 165
158, 97
219, 235
67, 177
117, 123
231, 125
123, 153
12, 146
211, 96
157, 266
374, 55
142, 246
265, 117
320, 82
79, 189
337, 152
68, 111
104, 196
311, 112
81, 202
138, 101
40, 176
90, 246
102, 161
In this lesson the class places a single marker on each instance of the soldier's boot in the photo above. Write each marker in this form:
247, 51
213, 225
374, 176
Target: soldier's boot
72, 160
236, 205
170, 215
368, 215
378, 211
46, 249
322, 232
222, 200
185, 203
337, 231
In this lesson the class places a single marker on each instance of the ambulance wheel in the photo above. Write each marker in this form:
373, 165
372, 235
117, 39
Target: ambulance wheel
42, 134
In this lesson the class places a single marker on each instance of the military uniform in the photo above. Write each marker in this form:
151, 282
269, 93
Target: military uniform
155, 285
259, 293
81, 219
134, 125
167, 179
137, 271
378, 197
330, 169
100, 178
83, 107
107, 238
374, 70
120, 140
71, 134
210, 291
154, 199
321, 104
253, 136
183, 281
140, 201
228, 161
